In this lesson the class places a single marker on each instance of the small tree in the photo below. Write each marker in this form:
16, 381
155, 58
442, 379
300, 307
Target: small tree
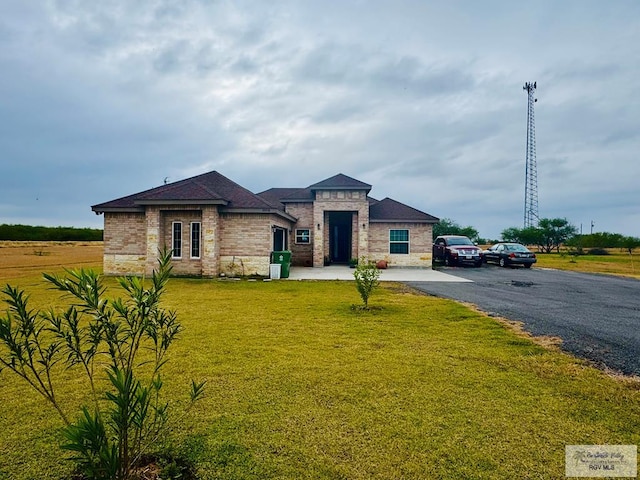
366, 275
555, 232
98, 335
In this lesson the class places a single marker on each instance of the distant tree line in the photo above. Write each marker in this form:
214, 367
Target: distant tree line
604, 240
549, 235
59, 234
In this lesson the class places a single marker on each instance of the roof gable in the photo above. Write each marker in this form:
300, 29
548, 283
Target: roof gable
340, 182
389, 210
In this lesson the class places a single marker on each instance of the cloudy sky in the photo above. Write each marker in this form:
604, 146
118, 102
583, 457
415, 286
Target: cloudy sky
421, 99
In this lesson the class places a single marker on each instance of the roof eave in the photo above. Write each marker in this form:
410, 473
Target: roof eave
181, 202
401, 220
273, 211
98, 210
367, 189
296, 200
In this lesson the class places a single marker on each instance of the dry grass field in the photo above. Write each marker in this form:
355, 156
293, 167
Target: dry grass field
26, 259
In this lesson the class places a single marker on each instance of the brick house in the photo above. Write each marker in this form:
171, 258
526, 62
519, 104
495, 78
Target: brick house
215, 226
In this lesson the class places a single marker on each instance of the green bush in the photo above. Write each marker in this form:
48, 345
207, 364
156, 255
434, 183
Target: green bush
597, 251
99, 335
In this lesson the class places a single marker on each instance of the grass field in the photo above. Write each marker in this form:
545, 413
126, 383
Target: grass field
616, 263
300, 386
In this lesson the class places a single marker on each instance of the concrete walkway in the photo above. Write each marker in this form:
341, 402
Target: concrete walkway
394, 274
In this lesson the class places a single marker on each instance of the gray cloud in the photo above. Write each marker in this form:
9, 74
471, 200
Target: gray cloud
423, 100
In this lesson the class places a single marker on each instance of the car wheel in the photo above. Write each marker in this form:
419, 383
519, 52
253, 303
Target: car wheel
447, 261
503, 262
527, 265
478, 264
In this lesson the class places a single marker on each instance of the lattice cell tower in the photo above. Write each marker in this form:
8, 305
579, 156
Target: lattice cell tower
531, 171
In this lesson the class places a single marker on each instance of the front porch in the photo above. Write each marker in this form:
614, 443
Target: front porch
342, 272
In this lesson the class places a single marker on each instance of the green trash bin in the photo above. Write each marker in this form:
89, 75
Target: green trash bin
284, 259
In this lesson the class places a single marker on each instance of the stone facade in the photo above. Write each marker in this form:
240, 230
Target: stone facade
327, 201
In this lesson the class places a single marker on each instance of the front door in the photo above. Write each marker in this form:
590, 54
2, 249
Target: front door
340, 237
279, 239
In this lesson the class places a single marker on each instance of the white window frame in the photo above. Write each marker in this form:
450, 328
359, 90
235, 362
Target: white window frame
308, 230
199, 240
174, 240
407, 241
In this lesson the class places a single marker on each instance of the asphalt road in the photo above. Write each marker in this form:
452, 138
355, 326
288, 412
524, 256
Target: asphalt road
597, 316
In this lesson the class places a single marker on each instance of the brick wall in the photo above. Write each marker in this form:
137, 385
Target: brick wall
420, 244
124, 233
124, 243
228, 240
248, 238
301, 254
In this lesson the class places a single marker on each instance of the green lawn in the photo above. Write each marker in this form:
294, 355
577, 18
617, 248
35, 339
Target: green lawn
299, 386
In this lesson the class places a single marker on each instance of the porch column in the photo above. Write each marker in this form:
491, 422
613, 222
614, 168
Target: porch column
318, 235
210, 242
363, 232
152, 217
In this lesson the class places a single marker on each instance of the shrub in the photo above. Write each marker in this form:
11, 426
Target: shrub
366, 276
597, 251
95, 334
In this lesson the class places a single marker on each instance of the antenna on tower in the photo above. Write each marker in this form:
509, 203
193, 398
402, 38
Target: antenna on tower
531, 170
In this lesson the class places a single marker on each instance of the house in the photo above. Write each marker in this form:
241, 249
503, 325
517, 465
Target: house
215, 226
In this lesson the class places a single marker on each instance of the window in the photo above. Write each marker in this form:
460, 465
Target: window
303, 235
176, 240
195, 240
399, 241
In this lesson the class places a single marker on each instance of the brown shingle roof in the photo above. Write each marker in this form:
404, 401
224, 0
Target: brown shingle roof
208, 188
387, 210
274, 195
215, 189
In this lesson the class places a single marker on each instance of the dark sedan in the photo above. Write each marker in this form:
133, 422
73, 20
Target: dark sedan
507, 254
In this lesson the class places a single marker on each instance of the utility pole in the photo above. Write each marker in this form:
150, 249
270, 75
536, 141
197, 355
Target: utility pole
531, 170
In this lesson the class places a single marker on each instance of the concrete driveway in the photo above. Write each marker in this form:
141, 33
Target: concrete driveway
394, 274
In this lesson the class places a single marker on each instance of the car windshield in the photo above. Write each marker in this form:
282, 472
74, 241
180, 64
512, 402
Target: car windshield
516, 248
460, 241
